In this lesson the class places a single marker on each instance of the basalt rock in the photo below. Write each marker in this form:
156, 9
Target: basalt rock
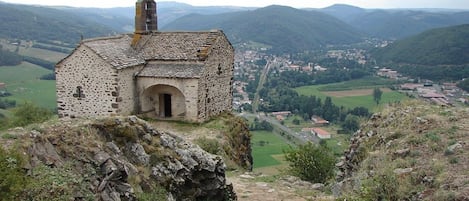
122, 157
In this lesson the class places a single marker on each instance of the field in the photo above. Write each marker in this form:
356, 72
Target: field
24, 83
267, 149
47, 55
352, 94
42, 54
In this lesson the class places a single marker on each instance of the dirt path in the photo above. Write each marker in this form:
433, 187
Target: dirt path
252, 188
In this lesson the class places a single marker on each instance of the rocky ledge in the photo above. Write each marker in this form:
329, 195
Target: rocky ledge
120, 158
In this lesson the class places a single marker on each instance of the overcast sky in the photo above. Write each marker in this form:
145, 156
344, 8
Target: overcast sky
456, 4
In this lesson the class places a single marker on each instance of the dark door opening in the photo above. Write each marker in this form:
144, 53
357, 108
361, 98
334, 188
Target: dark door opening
167, 105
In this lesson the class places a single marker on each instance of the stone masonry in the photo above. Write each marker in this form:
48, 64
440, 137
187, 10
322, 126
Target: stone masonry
176, 75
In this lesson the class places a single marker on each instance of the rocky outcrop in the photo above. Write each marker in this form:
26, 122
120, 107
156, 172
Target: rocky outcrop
239, 143
123, 157
408, 151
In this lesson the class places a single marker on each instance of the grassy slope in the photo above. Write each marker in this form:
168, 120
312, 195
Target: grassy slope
24, 83
263, 155
43, 54
352, 101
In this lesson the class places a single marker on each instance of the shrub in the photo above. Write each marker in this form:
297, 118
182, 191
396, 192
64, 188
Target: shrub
12, 177
209, 145
382, 186
311, 162
157, 193
351, 123
28, 113
55, 184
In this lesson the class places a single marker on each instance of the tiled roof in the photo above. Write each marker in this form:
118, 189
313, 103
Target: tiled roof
115, 50
172, 70
176, 45
166, 46
319, 131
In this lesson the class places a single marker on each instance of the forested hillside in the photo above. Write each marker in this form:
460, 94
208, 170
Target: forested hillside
46, 24
285, 28
440, 54
444, 46
396, 24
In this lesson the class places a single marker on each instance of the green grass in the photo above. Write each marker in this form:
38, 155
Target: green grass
263, 155
47, 55
288, 122
351, 101
5, 112
24, 83
364, 83
338, 143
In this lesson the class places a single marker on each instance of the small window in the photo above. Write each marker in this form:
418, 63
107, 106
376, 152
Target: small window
79, 93
219, 72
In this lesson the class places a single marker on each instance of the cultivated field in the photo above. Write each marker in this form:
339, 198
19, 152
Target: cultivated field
356, 93
24, 83
267, 147
42, 54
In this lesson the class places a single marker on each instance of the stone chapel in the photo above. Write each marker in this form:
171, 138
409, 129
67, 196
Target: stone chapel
175, 75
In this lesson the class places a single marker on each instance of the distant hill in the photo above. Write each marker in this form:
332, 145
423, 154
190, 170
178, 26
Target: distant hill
396, 24
119, 19
42, 23
285, 28
438, 54
168, 11
343, 12
443, 46
69, 23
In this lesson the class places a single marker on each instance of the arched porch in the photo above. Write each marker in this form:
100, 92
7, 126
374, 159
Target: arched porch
163, 101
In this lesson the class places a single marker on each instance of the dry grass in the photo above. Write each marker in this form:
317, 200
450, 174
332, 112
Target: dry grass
428, 131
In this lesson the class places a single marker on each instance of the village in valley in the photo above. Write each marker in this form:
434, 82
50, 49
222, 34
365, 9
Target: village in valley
251, 64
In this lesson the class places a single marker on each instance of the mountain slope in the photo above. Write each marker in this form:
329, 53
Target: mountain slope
401, 24
285, 28
343, 12
170, 11
41, 23
444, 46
396, 24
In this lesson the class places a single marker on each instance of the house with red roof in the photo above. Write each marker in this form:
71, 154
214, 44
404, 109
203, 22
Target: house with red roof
321, 133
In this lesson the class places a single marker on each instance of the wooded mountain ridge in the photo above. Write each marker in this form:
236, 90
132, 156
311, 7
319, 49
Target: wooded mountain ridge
274, 25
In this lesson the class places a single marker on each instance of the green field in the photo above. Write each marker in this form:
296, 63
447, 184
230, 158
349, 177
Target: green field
42, 54
351, 101
24, 83
364, 83
272, 147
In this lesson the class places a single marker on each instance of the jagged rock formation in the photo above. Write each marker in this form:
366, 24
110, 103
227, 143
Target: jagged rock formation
409, 151
119, 158
238, 142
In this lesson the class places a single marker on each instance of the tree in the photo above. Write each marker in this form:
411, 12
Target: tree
377, 95
351, 123
296, 121
311, 162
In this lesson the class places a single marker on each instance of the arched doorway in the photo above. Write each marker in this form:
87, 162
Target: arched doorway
164, 101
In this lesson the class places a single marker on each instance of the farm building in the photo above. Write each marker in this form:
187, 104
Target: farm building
321, 133
319, 121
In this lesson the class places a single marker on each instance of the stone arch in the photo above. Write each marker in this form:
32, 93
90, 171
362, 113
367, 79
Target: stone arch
164, 101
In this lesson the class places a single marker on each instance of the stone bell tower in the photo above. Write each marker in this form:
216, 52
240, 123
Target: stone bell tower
145, 17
